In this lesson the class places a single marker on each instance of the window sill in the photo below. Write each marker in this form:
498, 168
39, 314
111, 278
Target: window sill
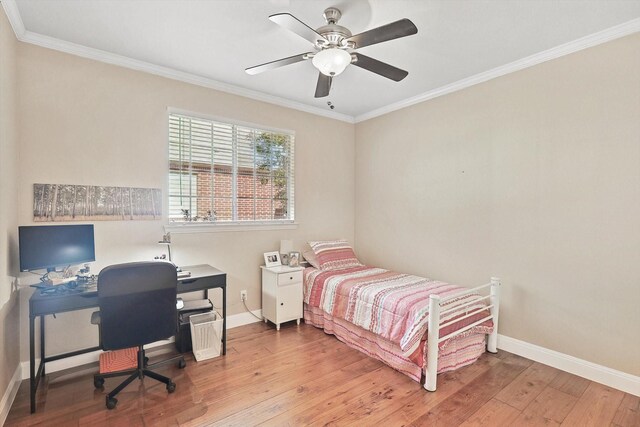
178, 228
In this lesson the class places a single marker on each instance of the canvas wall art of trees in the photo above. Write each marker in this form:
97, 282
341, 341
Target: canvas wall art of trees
61, 202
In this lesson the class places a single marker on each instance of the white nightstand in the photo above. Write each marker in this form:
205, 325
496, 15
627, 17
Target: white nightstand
281, 294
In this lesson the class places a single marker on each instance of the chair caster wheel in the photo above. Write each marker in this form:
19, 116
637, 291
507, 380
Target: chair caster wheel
111, 402
98, 382
171, 387
182, 364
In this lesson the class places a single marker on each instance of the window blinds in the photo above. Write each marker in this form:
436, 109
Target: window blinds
225, 172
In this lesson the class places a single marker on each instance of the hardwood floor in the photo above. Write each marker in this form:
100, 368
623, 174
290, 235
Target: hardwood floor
301, 376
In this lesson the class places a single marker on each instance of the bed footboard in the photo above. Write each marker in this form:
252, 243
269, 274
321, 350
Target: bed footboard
436, 313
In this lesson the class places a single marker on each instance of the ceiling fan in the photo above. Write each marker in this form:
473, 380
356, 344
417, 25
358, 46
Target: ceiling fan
334, 48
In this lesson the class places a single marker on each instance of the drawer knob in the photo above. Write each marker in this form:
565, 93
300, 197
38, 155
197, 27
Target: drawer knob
281, 303
291, 278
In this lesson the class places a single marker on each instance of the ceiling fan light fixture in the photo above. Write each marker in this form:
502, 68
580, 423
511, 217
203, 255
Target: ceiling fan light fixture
331, 62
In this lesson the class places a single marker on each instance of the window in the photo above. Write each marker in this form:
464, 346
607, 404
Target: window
229, 173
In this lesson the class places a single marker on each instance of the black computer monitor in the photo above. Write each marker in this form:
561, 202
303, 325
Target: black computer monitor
51, 246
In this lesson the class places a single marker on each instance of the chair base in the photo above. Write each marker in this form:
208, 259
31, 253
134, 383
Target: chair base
142, 370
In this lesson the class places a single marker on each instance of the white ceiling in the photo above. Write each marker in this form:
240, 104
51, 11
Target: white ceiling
214, 41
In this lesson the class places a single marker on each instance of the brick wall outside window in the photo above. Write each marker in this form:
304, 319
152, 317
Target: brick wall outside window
216, 195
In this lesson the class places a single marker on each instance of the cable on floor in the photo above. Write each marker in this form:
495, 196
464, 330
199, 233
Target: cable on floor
244, 302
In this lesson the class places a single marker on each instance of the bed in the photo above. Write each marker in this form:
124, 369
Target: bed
418, 326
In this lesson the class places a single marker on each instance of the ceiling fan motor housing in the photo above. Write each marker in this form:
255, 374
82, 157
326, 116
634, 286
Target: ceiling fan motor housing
333, 32
332, 15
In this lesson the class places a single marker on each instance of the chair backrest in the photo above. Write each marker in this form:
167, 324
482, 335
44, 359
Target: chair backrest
137, 303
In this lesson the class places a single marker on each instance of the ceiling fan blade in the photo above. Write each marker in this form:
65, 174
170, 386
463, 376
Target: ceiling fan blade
323, 86
378, 67
277, 63
394, 30
295, 25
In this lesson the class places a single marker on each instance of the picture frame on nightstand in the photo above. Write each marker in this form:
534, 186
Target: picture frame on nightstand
294, 259
284, 258
272, 259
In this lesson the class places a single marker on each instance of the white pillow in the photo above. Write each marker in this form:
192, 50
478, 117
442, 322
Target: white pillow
310, 256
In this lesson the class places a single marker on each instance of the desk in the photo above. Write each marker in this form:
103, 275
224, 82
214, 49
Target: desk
203, 277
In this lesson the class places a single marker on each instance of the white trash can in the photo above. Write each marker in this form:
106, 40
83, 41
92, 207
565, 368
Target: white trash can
206, 335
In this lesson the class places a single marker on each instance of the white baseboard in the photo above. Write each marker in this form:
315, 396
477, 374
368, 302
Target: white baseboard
245, 318
233, 321
582, 368
9, 395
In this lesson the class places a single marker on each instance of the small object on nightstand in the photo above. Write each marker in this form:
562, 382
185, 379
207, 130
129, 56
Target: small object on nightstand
281, 294
272, 259
294, 259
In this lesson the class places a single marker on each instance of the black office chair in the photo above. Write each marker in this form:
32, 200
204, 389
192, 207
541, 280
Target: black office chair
137, 306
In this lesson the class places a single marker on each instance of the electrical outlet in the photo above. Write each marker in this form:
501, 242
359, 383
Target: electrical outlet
243, 295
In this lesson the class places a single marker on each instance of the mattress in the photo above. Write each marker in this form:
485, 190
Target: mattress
385, 314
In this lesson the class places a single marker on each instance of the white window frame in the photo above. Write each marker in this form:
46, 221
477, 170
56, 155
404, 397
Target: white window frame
242, 225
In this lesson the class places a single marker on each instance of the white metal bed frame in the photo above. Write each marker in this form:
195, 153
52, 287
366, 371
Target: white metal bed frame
435, 317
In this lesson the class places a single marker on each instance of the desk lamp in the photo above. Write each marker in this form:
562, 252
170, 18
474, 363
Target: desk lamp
166, 240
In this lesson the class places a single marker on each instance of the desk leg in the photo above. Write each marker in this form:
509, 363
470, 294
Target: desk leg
42, 344
32, 362
224, 320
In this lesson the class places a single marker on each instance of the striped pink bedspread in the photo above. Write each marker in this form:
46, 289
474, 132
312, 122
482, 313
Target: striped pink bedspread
392, 305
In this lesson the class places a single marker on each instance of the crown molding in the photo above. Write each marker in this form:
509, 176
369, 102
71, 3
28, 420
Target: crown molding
13, 14
170, 73
595, 39
591, 40
25, 36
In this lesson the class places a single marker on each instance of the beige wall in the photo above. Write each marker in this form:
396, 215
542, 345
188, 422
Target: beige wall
533, 177
85, 122
9, 316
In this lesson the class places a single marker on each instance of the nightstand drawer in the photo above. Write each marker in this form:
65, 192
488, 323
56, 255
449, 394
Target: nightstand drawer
289, 278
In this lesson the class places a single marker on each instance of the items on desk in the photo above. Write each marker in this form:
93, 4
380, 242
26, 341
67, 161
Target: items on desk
55, 281
85, 273
64, 279
182, 273
55, 277
65, 286
166, 240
